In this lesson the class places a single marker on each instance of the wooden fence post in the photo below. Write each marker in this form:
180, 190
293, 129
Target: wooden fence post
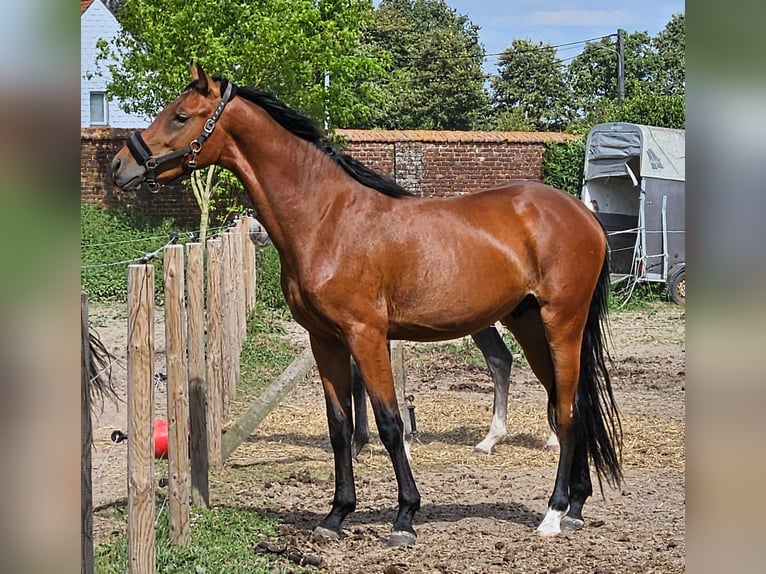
86, 439
229, 336
236, 325
179, 491
200, 489
249, 266
215, 367
141, 512
241, 292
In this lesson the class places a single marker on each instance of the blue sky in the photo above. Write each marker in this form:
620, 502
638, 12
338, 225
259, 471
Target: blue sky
557, 22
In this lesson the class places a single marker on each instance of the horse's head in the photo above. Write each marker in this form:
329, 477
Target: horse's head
173, 144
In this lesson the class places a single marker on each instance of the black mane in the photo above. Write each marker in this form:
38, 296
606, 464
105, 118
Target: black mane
306, 129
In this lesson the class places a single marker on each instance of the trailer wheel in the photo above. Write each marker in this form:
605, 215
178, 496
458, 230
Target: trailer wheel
676, 287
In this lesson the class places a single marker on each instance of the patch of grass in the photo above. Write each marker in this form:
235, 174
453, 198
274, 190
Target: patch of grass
265, 353
269, 288
110, 241
221, 542
638, 297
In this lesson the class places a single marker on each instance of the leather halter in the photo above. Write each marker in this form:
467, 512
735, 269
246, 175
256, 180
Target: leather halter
143, 155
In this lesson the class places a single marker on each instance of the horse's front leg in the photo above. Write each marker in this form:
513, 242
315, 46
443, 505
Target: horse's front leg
371, 353
332, 359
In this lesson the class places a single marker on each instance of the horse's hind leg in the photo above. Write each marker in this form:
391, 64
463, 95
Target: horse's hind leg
361, 422
332, 360
564, 332
554, 362
499, 361
580, 488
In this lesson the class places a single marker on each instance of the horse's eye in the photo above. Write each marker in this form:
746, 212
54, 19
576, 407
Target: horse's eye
181, 118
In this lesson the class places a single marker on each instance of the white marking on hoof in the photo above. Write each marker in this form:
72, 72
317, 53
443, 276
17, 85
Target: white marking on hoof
401, 538
551, 524
484, 447
553, 443
322, 534
496, 432
570, 524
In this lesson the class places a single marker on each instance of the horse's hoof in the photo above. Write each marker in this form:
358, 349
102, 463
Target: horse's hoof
547, 532
551, 524
322, 534
570, 524
401, 538
478, 449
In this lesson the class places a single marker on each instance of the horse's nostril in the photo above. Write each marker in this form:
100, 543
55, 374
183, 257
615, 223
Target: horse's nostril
115, 166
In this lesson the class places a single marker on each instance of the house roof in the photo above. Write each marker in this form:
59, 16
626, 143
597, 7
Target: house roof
84, 5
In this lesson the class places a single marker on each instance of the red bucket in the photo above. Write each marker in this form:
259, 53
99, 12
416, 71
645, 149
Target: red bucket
160, 438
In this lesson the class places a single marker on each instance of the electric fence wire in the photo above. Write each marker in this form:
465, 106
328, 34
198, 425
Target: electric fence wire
146, 257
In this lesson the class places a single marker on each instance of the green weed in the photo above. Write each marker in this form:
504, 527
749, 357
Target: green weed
221, 542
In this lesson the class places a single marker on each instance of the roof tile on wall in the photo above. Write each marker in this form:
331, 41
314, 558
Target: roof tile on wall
432, 136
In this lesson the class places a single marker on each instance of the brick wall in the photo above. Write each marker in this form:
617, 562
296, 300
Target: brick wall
434, 163
431, 163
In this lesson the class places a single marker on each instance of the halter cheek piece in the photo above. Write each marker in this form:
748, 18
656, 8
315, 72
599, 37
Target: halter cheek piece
143, 155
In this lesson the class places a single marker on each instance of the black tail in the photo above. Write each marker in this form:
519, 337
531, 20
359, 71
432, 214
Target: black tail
99, 369
597, 418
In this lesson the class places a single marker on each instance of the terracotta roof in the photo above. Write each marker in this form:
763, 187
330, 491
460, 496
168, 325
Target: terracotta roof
433, 136
84, 5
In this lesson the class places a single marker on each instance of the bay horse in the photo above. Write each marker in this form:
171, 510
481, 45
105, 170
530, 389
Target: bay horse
364, 261
494, 350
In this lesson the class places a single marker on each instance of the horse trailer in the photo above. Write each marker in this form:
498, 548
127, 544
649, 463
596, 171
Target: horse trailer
634, 181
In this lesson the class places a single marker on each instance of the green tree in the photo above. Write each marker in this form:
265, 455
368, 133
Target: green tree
531, 84
563, 165
592, 75
653, 109
647, 108
435, 78
514, 120
670, 47
286, 47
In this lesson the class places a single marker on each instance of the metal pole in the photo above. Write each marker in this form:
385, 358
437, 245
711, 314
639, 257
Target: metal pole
620, 66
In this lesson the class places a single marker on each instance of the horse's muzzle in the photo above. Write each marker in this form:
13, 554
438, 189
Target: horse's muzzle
125, 175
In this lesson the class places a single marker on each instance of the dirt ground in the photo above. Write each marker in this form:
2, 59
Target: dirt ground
478, 512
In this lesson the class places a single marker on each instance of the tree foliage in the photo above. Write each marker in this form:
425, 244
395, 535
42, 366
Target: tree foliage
563, 165
670, 47
646, 108
434, 58
413, 64
592, 75
654, 71
531, 85
285, 47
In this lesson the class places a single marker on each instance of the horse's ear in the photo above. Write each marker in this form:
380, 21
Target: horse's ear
200, 77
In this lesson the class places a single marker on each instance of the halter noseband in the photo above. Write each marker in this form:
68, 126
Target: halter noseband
143, 155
